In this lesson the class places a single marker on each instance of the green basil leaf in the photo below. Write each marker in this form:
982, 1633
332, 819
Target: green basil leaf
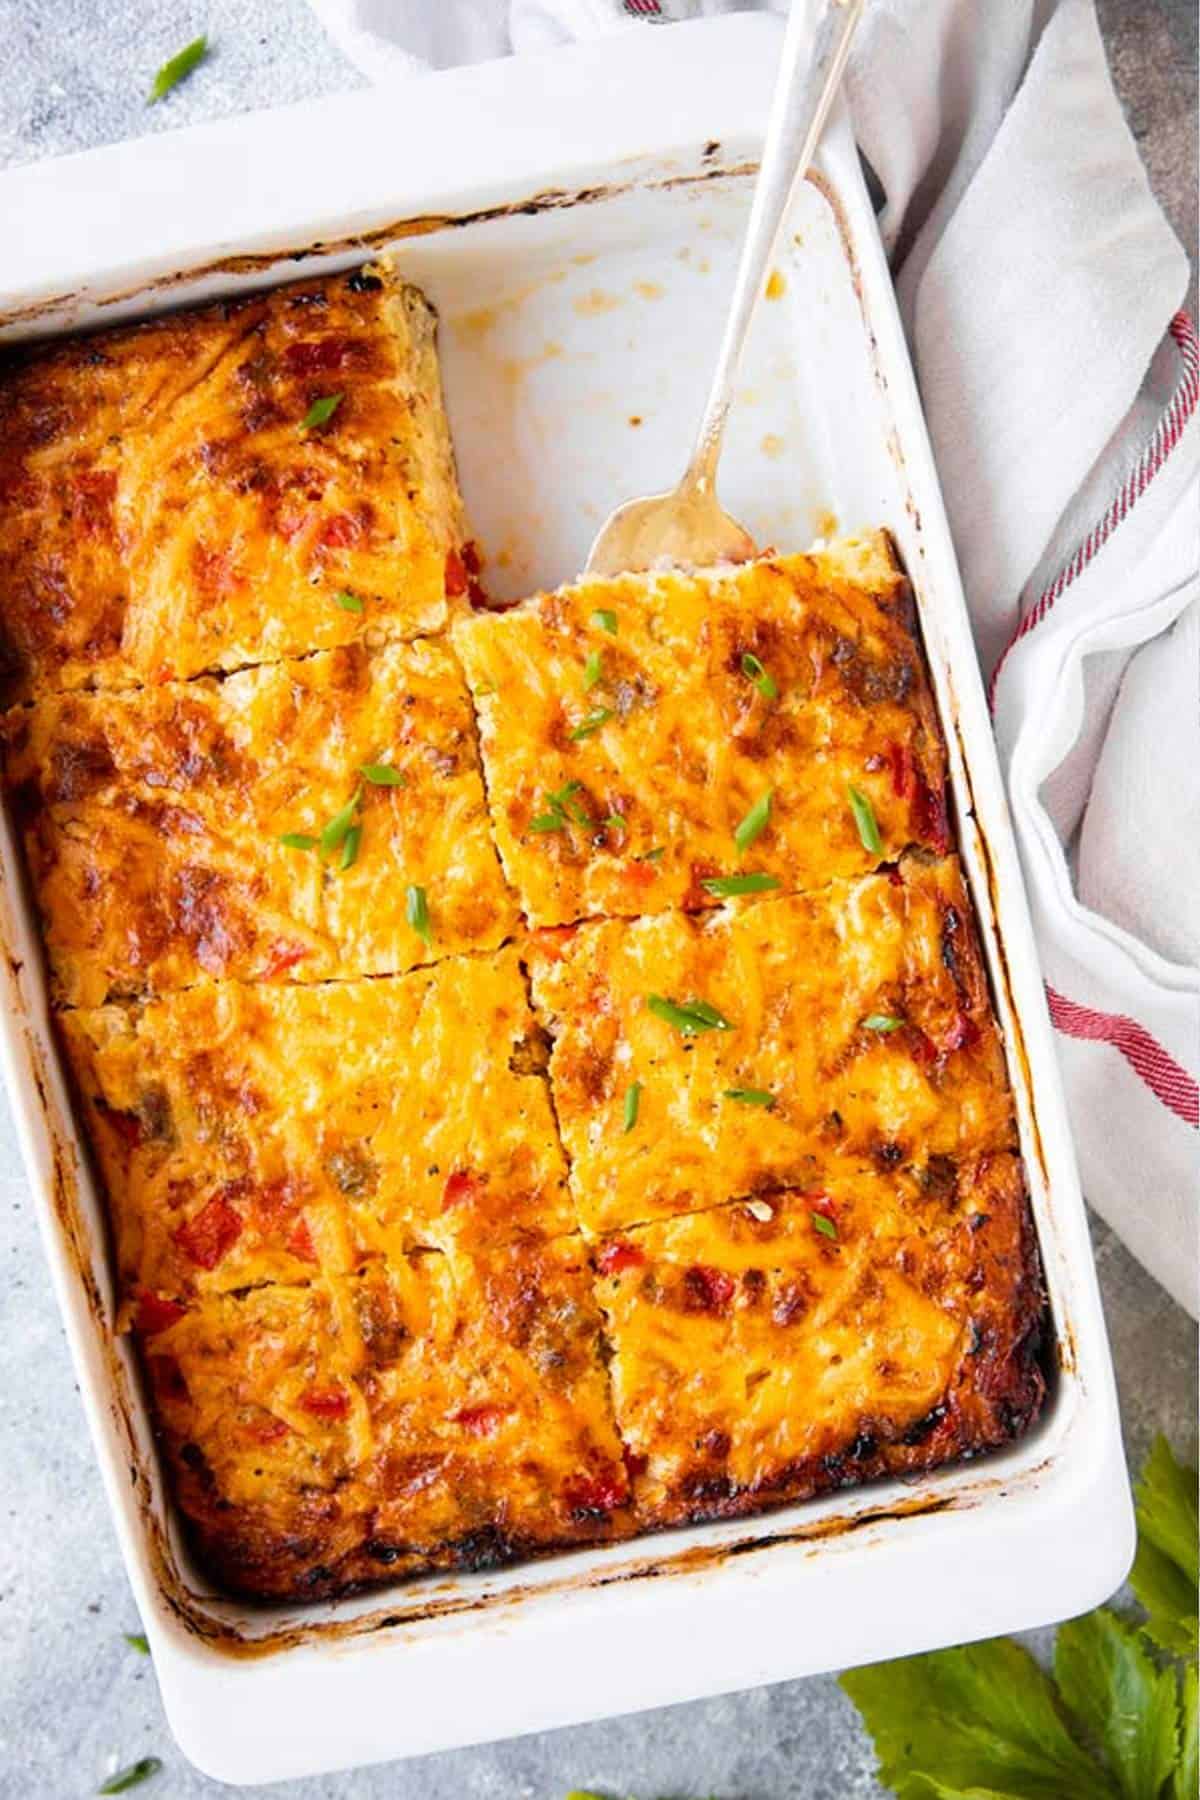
864, 818
726, 885
754, 823
177, 69
1164, 1575
321, 411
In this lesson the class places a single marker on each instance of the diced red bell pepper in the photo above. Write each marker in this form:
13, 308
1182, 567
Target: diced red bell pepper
461, 1185
211, 1234
156, 1313
617, 1255
480, 1421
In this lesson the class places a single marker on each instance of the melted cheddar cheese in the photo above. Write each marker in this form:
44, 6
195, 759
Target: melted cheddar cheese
173, 802
763, 1351
433, 1410
254, 1134
446, 1240
629, 727
856, 1019
165, 509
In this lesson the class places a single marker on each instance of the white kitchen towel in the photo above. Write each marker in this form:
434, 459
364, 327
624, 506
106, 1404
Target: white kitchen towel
1040, 287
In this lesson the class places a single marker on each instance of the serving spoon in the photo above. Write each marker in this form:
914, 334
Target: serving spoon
687, 525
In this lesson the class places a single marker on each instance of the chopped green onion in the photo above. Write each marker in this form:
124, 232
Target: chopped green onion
604, 620
882, 1022
350, 843
417, 913
548, 821
758, 675
334, 834
137, 1641
692, 1017
132, 1777
754, 823
179, 66
655, 855
725, 885
825, 1226
593, 722
593, 670
347, 601
321, 411
298, 840
561, 795
633, 1096
617, 822
750, 1096
383, 775
864, 818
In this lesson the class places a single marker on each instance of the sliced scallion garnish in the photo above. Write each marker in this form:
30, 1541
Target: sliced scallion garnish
633, 1096
752, 668
383, 775
321, 411
864, 818
177, 68
593, 670
825, 1226
416, 909
334, 835
750, 1096
882, 1022
725, 885
592, 723
605, 620
298, 840
754, 823
690, 1016
347, 601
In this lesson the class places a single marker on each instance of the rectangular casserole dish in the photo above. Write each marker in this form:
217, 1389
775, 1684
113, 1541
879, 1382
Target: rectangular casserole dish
575, 218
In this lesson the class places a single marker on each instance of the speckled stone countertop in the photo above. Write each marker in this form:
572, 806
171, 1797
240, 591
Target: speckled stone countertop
75, 1703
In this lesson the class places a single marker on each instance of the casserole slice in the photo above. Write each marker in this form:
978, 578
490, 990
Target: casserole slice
768, 1350
198, 809
253, 480
646, 736
271, 1134
764, 1038
425, 1412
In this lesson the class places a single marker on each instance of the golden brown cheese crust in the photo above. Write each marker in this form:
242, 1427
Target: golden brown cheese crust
664, 675
152, 824
164, 510
255, 1134
860, 1013
436, 1411
765, 1351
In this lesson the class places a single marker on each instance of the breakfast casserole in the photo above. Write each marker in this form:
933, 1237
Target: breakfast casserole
540, 1063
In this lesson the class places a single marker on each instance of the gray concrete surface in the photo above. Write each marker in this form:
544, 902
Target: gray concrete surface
74, 1701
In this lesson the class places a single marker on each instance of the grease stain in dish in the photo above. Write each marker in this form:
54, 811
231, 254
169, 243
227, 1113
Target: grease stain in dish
591, 304
776, 286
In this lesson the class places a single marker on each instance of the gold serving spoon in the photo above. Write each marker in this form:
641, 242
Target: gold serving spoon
687, 525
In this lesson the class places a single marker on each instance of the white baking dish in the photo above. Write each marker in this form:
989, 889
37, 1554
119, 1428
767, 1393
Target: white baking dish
576, 218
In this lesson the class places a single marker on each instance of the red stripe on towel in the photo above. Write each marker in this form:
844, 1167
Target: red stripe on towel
1168, 1079
1167, 434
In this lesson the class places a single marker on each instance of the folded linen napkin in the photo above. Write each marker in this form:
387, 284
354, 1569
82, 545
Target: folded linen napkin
1039, 284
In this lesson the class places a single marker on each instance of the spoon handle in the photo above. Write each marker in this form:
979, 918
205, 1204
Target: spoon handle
810, 68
